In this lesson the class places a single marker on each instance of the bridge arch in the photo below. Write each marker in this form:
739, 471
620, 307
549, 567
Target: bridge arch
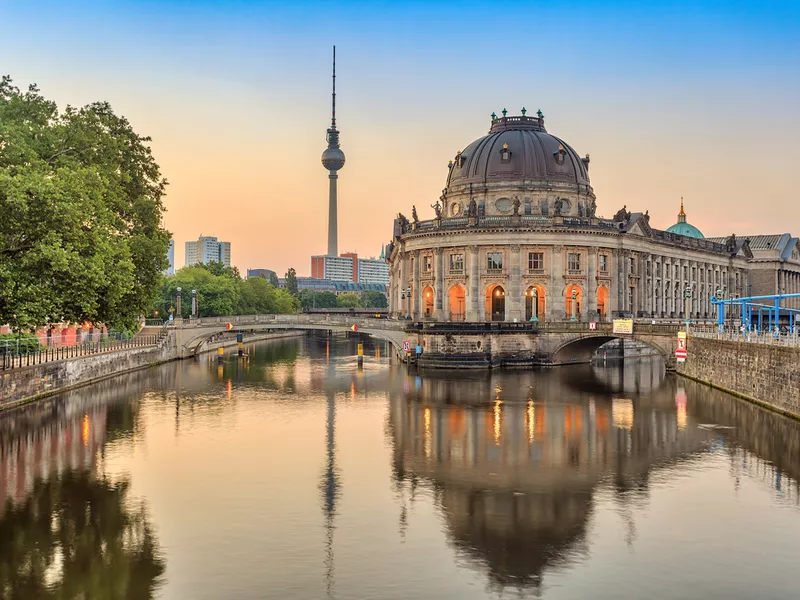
582, 348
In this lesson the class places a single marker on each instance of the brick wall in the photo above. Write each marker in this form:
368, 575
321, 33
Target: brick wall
760, 372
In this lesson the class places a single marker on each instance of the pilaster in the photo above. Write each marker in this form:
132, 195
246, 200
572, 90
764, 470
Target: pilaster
514, 296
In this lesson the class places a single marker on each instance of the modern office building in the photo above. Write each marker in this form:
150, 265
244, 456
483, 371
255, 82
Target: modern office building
265, 273
170, 270
349, 267
207, 249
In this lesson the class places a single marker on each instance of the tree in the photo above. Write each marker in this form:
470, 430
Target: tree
81, 235
348, 300
291, 281
309, 299
273, 279
373, 299
216, 267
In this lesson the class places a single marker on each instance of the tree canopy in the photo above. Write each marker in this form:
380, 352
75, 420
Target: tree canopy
81, 235
221, 292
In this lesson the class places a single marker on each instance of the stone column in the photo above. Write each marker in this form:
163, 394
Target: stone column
473, 283
514, 295
591, 291
438, 313
613, 300
554, 294
402, 300
415, 291
626, 281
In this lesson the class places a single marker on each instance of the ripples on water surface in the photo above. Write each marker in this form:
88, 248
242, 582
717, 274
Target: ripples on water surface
295, 475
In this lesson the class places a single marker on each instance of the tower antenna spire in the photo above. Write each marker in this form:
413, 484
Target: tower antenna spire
333, 103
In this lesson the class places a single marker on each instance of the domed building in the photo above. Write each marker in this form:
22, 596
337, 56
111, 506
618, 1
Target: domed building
684, 228
516, 237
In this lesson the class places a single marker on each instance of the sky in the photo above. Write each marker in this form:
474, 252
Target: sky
670, 99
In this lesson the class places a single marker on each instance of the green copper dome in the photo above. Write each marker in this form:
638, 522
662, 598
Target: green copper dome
684, 228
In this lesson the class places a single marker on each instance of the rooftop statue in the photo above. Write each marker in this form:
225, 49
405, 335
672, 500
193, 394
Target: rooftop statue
516, 205
622, 215
414, 216
437, 208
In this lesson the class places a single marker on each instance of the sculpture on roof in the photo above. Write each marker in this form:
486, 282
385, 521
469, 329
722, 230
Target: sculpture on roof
516, 205
623, 215
473, 208
414, 216
730, 243
591, 208
403, 222
437, 208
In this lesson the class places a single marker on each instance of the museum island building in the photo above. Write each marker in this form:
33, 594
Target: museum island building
516, 238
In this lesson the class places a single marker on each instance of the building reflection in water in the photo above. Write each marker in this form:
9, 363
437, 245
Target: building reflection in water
515, 459
66, 529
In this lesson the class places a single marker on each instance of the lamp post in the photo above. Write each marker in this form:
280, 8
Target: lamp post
687, 295
574, 305
178, 305
533, 294
194, 304
406, 293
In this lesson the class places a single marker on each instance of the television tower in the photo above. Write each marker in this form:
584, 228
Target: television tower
333, 160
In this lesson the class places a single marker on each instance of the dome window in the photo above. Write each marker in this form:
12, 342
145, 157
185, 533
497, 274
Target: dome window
560, 154
505, 154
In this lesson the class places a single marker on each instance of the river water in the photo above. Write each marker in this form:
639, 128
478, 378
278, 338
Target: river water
293, 474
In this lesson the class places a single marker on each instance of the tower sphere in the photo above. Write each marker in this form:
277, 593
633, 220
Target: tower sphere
333, 159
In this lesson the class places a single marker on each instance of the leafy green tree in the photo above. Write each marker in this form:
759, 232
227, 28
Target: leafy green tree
309, 299
81, 235
285, 302
291, 281
373, 299
273, 279
348, 300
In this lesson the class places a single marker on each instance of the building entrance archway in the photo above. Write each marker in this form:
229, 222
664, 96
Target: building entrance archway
456, 302
573, 302
535, 303
427, 302
495, 303
602, 303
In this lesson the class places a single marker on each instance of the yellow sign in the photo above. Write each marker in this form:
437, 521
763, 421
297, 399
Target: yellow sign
361, 349
622, 326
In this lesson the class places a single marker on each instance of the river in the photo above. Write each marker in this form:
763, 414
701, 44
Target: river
293, 474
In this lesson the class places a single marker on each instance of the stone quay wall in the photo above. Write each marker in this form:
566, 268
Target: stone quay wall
762, 373
18, 386
28, 383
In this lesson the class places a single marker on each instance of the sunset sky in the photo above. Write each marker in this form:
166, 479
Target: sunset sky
671, 99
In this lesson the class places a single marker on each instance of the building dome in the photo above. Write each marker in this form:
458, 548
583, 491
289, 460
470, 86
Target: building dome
519, 158
530, 154
684, 228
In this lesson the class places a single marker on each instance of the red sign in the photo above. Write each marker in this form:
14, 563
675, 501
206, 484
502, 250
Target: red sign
680, 353
229, 326
592, 326
354, 328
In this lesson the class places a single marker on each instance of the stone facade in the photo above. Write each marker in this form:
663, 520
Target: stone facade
765, 373
516, 238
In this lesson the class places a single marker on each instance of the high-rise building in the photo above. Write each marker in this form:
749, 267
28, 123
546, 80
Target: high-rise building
348, 267
170, 270
333, 160
207, 249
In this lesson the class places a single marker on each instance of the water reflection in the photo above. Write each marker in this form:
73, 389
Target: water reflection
311, 476
515, 459
66, 529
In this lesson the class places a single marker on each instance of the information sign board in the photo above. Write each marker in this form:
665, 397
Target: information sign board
622, 326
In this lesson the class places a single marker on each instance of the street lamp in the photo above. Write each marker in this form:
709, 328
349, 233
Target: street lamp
533, 294
687, 296
574, 305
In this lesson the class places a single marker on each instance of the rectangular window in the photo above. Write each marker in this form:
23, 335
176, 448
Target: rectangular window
456, 262
574, 261
676, 271
427, 264
604, 263
632, 265
648, 268
494, 261
685, 272
535, 261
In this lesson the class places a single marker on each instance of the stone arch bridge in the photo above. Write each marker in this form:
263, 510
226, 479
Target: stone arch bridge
446, 345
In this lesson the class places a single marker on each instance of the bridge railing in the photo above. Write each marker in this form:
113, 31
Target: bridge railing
781, 338
300, 319
41, 355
